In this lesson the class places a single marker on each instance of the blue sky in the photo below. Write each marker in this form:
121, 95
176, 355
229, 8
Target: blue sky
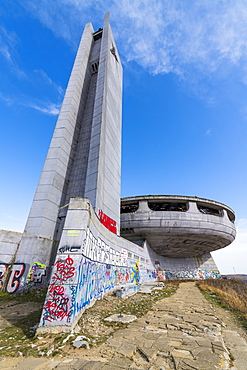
184, 101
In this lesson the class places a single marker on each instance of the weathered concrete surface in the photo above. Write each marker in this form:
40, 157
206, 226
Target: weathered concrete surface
192, 226
181, 332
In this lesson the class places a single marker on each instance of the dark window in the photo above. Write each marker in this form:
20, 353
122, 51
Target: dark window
169, 206
126, 230
209, 211
98, 34
231, 216
95, 67
129, 208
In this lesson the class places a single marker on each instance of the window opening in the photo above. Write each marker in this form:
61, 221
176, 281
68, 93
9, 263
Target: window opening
129, 208
169, 206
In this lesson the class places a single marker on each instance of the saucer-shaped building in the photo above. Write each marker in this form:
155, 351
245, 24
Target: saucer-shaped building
177, 226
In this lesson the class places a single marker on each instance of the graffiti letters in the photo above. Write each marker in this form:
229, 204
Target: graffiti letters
58, 305
68, 248
36, 272
3, 269
97, 250
64, 270
15, 273
197, 274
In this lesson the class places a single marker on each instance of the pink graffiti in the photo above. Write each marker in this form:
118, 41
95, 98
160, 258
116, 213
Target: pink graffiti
65, 270
57, 305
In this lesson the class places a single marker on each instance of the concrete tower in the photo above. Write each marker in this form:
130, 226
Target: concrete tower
84, 157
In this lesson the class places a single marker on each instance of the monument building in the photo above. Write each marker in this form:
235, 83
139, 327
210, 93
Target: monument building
72, 240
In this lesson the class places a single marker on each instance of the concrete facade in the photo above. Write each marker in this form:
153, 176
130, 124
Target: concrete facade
84, 157
177, 226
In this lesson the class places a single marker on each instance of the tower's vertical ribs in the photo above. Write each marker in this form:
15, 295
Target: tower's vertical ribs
104, 162
44, 211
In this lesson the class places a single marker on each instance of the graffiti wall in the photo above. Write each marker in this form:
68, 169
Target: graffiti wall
187, 274
74, 286
12, 276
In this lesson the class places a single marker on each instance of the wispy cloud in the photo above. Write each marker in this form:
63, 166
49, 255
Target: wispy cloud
45, 107
7, 99
49, 81
50, 108
177, 36
8, 41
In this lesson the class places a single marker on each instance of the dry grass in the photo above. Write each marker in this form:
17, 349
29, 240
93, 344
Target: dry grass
230, 293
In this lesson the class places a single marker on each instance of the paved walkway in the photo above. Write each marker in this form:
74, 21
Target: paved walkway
181, 332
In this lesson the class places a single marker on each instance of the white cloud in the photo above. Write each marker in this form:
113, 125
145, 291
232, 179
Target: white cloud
44, 107
7, 99
49, 81
8, 42
50, 108
233, 258
181, 34
160, 35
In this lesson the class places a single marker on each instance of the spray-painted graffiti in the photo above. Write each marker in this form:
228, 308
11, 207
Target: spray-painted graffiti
135, 276
71, 289
77, 281
69, 249
97, 250
12, 273
58, 303
3, 269
198, 274
64, 271
36, 273
160, 275
96, 279
190, 274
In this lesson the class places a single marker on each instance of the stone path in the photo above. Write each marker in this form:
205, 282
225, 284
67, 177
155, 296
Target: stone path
182, 332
